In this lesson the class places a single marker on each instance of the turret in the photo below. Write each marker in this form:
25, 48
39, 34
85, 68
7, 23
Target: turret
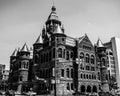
101, 60
52, 21
37, 46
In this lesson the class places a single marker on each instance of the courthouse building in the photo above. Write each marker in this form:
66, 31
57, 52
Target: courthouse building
60, 64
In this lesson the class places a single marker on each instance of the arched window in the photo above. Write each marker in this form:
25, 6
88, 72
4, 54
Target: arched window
87, 58
72, 87
87, 76
68, 86
94, 89
71, 55
84, 76
60, 52
98, 76
36, 58
67, 72
71, 73
67, 55
53, 52
81, 75
64, 53
81, 55
88, 88
92, 60
82, 88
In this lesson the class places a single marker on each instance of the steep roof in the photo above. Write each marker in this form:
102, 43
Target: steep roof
25, 48
39, 39
99, 43
14, 53
58, 30
53, 14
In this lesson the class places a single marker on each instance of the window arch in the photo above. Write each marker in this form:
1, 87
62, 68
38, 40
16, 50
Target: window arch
60, 52
81, 55
87, 58
92, 60
67, 72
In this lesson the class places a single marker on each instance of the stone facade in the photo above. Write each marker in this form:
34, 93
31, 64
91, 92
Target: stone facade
62, 65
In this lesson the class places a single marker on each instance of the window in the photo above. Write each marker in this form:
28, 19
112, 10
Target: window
71, 73
87, 76
67, 72
67, 55
60, 52
21, 77
72, 87
64, 53
81, 75
62, 72
87, 58
92, 68
71, 55
92, 59
87, 67
81, 55
68, 86
103, 62
53, 52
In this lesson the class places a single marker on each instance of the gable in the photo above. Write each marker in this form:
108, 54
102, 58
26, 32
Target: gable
85, 43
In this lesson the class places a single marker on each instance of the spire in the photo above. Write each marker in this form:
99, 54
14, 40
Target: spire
99, 43
58, 30
39, 39
25, 48
53, 7
15, 52
53, 14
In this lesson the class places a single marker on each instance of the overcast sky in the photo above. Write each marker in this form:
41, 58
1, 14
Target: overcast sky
22, 21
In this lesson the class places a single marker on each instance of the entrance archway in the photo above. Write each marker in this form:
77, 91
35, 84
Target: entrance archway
89, 88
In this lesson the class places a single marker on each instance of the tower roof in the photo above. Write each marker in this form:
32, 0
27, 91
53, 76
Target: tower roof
53, 14
25, 48
99, 43
39, 39
58, 30
15, 52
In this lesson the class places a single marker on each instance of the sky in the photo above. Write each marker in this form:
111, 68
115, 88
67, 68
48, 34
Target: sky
22, 21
